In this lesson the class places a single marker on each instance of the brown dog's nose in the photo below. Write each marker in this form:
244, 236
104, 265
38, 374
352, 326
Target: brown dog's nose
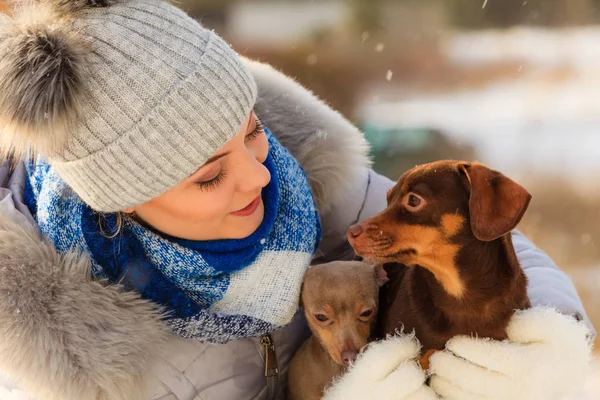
355, 230
349, 356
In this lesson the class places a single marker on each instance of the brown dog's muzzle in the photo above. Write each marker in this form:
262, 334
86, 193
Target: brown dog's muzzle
355, 231
370, 241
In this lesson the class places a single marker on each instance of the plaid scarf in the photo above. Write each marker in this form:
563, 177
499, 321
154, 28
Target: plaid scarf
214, 291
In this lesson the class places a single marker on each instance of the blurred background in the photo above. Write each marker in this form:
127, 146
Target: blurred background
512, 83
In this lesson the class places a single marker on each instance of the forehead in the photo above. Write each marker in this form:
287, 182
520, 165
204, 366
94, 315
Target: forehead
438, 175
332, 275
337, 285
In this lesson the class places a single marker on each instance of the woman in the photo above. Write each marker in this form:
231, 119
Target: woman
155, 246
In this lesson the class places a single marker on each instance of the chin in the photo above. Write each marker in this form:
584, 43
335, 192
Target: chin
246, 226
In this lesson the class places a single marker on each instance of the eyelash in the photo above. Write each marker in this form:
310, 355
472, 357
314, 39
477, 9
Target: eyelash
216, 181
258, 130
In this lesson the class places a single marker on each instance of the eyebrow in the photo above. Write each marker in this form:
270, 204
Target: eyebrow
214, 158
219, 156
208, 162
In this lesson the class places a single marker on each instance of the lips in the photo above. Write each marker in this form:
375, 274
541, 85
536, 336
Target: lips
249, 209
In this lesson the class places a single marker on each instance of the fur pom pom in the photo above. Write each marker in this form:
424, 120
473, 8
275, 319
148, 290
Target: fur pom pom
41, 80
61, 7
65, 7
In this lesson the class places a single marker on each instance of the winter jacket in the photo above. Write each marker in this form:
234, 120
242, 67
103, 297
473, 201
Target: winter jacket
65, 336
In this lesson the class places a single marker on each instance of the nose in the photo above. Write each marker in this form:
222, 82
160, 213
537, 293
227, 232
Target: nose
355, 231
349, 356
256, 176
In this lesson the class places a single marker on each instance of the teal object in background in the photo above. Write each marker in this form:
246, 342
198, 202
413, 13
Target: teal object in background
400, 140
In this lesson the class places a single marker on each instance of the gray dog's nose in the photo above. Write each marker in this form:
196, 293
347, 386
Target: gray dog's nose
355, 230
348, 356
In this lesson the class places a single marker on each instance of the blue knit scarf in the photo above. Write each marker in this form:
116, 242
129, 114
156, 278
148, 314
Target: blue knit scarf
214, 291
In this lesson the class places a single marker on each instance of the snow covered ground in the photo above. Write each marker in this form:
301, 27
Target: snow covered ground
577, 47
524, 125
537, 122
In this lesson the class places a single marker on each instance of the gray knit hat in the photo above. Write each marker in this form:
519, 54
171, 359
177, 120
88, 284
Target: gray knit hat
126, 98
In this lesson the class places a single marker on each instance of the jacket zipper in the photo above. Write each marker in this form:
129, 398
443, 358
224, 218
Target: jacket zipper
271, 367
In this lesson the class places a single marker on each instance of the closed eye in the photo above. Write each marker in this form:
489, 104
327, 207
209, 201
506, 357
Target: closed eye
258, 130
213, 183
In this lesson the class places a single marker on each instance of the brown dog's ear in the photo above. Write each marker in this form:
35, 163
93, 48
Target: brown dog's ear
380, 275
496, 203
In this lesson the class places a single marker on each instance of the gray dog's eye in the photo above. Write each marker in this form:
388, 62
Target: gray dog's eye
321, 317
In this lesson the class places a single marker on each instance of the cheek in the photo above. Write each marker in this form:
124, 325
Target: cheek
364, 331
330, 342
260, 146
205, 206
193, 205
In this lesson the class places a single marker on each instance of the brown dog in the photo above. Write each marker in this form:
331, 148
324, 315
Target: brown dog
340, 301
452, 220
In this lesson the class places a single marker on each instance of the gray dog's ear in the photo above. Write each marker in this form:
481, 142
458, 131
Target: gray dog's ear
300, 302
380, 275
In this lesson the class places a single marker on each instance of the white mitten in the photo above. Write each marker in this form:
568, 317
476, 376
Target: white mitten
546, 357
387, 370
8, 391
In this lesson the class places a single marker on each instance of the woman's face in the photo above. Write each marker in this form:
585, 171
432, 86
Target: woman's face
222, 199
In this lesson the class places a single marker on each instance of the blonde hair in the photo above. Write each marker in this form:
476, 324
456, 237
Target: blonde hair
102, 223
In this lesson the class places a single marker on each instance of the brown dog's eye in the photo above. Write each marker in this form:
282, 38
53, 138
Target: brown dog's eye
367, 313
414, 201
321, 317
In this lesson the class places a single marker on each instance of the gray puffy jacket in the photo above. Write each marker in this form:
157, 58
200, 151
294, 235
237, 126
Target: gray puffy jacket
64, 336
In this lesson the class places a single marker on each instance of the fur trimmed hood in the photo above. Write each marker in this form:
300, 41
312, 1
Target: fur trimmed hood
64, 336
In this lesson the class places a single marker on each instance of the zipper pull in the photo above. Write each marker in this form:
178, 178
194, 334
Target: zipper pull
271, 367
